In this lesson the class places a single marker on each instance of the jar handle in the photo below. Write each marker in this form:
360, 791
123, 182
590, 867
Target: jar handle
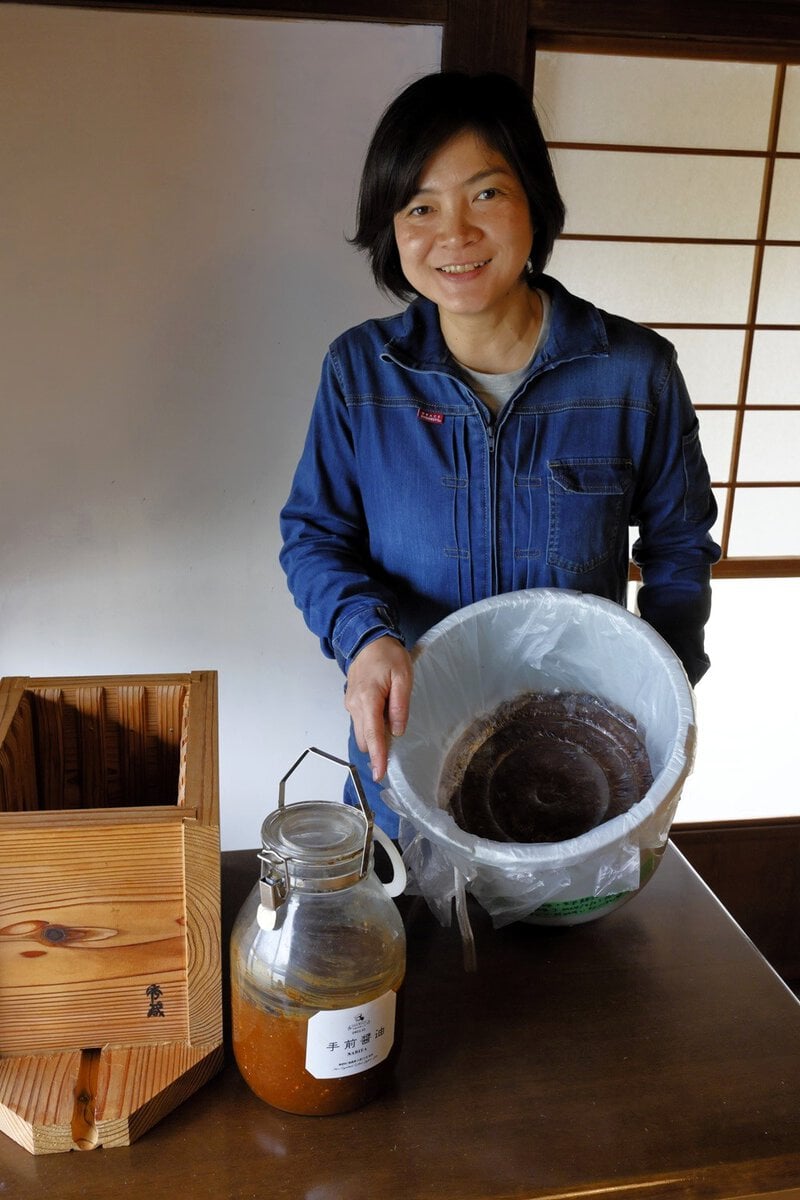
371, 831
397, 883
366, 811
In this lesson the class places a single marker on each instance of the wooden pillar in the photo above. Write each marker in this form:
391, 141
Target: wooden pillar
487, 35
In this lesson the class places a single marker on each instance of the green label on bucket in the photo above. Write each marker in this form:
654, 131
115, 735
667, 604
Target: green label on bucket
576, 908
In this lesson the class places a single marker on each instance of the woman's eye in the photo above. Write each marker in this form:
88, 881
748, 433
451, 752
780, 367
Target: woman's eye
487, 193
419, 210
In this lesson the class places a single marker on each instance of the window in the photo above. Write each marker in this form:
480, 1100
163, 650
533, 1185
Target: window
682, 184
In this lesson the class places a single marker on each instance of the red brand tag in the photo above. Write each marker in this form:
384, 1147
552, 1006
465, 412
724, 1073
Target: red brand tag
435, 418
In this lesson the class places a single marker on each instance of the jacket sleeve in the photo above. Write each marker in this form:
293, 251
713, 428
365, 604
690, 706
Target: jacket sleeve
675, 511
325, 551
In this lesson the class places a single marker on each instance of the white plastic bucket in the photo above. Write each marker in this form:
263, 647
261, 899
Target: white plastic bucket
541, 640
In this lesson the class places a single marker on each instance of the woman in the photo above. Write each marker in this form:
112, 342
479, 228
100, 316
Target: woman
498, 434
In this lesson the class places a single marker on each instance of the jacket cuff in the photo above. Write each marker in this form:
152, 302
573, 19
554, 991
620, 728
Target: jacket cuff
359, 629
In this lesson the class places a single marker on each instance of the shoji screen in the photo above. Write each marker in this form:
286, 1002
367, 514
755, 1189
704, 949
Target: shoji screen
682, 185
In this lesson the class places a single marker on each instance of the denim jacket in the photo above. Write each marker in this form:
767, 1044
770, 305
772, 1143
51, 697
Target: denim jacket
410, 502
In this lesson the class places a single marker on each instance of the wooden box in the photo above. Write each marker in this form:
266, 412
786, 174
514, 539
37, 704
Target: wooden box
110, 957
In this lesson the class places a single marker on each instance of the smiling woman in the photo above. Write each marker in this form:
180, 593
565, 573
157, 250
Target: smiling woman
426, 117
499, 434
464, 241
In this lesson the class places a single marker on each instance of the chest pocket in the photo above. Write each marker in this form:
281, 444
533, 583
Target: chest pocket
588, 510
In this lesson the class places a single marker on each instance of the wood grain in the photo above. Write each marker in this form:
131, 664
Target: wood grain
89, 918
19, 790
202, 864
137, 1086
94, 743
204, 994
37, 1100
90, 707
202, 752
110, 947
166, 721
487, 36
48, 724
132, 724
110, 1097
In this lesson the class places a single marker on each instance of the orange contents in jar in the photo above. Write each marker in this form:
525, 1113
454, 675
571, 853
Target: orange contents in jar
270, 1048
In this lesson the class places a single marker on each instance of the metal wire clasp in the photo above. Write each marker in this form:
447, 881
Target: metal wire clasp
366, 811
273, 884
274, 875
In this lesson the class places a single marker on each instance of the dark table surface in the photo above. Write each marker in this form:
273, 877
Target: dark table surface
652, 1053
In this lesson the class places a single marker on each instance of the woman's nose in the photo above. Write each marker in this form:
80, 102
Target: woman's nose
455, 227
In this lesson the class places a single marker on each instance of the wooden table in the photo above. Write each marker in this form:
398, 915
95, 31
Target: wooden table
652, 1053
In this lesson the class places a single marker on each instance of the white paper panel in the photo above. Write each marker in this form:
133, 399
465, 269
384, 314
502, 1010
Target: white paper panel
775, 367
779, 298
789, 132
722, 497
766, 521
748, 751
770, 446
660, 195
653, 101
659, 283
784, 207
716, 436
710, 360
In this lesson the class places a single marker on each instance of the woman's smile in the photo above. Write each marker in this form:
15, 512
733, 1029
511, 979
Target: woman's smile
463, 268
465, 235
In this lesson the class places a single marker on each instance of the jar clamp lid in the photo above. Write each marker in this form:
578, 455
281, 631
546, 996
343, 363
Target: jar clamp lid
313, 845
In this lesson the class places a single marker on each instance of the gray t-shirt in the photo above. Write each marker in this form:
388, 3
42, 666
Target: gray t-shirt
497, 390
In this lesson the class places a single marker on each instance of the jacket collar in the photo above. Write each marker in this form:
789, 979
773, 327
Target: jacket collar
577, 330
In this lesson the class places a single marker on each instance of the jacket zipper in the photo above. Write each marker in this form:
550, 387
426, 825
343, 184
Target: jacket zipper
491, 440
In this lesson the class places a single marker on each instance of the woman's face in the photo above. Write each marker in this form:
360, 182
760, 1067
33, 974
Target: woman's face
466, 234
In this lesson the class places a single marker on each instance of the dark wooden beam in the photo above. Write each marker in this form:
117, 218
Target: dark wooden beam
731, 28
784, 567
392, 12
744, 20
761, 567
487, 35
484, 34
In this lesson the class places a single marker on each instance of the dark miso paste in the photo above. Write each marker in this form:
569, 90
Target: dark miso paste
545, 767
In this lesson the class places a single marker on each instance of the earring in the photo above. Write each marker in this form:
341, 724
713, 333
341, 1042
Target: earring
529, 267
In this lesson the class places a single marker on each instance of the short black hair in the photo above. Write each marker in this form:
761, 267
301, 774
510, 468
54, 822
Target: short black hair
426, 115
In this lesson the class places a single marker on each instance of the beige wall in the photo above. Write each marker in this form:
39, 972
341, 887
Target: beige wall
175, 193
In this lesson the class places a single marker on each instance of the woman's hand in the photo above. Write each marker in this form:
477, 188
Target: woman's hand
377, 695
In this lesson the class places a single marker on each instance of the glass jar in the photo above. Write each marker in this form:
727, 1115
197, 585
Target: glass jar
318, 959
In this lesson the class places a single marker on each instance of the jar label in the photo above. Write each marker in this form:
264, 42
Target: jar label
345, 1041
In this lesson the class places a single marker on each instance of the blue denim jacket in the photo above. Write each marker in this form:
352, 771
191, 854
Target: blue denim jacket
410, 502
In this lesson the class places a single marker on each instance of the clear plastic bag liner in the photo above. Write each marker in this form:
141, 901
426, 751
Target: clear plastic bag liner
540, 640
